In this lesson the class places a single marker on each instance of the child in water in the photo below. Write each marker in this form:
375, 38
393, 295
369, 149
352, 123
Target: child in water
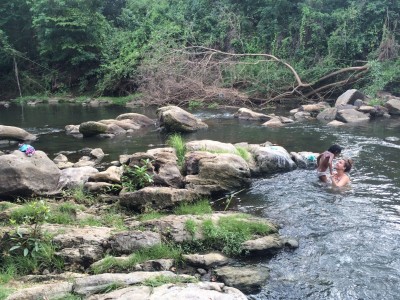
28, 149
324, 162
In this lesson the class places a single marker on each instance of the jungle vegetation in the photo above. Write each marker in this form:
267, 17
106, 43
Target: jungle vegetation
181, 50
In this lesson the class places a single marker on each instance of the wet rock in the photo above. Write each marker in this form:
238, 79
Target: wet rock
393, 106
247, 279
15, 133
351, 116
175, 119
206, 260
92, 128
247, 114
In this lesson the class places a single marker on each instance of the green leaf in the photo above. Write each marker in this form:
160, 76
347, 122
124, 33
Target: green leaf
26, 251
14, 248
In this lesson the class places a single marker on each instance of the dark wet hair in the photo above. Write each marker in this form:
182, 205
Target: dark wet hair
335, 149
348, 163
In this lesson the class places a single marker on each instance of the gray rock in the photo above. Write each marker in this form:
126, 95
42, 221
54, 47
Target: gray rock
139, 119
15, 133
166, 170
45, 291
92, 128
247, 114
156, 198
247, 279
130, 241
75, 177
216, 173
351, 116
393, 105
175, 119
349, 97
22, 175
192, 291
272, 159
96, 283
206, 260
328, 114
269, 243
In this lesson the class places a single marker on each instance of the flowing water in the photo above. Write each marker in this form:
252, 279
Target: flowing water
348, 240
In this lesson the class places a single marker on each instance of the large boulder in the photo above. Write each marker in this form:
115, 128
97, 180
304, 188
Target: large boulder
92, 128
74, 177
15, 133
349, 97
351, 116
247, 279
393, 105
139, 119
21, 175
175, 119
328, 114
247, 114
272, 159
166, 170
215, 174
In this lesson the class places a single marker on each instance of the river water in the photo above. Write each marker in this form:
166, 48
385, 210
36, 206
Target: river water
348, 240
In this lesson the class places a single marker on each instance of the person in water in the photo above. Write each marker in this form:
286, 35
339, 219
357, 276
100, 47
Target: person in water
340, 178
28, 149
325, 162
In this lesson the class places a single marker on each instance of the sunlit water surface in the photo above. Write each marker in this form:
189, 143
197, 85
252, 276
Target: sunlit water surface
348, 240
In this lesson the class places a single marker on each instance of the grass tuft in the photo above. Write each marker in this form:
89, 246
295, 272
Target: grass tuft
201, 207
110, 263
176, 141
162, 279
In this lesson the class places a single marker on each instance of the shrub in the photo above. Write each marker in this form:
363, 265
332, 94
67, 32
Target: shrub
137, 177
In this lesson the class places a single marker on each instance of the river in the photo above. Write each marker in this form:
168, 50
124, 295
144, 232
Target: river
348, 240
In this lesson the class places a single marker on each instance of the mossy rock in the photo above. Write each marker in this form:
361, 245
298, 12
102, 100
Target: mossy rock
92, 128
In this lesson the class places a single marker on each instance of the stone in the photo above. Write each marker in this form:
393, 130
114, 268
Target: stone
247, 114
156, 198
351, 116
22, 175
75, 177
349, 97
130, 241
92, 128
393, 106
246, 279
175, 119
205, 260
15, 133
44, 291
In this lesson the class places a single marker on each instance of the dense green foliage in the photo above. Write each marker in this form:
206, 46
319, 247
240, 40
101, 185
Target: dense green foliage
102, 46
